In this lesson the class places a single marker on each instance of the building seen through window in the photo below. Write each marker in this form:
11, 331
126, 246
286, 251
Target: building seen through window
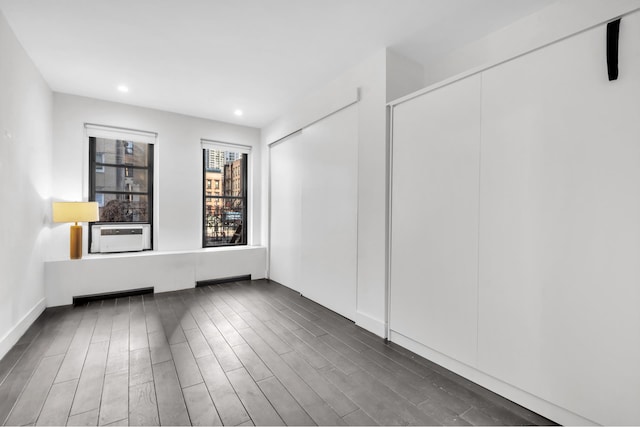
225, 202
121, 180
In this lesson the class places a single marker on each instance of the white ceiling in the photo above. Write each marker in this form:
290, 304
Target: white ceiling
207, 58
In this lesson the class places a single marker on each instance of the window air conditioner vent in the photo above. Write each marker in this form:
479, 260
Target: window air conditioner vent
120, 238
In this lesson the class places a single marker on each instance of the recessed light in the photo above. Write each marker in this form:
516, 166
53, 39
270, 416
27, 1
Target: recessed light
238, 113
123, 89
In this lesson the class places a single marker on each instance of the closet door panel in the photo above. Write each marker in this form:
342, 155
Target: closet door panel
329, 169
286, 212
434, 245
560, 226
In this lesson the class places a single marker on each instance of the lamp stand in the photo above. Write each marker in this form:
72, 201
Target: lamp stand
75, 242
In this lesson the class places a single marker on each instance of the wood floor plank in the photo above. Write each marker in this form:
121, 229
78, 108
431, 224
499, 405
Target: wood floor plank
138, 326
228, 314
65, 334
198, 308
182, 313
115, 398
159, 347
89, 418
256, 404
335, 358
18, 377
122, 422
89, 391
478, 418
35, 330
140, 367
314, 358
313, 404
104, 323
262, 292
118, 355
358, 418
11, 359
442, 414
143, 407
185, 363
225, 355
170, 324
198, 343
252, 363
28, 407
152, 317
228, 292
408, 411
77, 351
284, 404
171, 406
443, 398
225, 399
266, 334
254, 305
398, 380
304, 323
121, 314
58, 404
201, 410
272, 308
327, 391
375, 407
227, 330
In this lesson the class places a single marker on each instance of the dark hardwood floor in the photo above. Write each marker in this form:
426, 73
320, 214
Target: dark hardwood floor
242, 353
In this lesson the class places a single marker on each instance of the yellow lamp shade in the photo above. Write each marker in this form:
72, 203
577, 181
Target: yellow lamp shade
75, 211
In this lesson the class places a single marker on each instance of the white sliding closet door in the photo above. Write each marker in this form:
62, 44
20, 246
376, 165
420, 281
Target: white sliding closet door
515, 245
286, 212
560, 226
434, 246
314, 211
329, 211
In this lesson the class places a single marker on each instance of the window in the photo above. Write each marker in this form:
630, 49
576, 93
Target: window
121, 180
100, 160
225, 212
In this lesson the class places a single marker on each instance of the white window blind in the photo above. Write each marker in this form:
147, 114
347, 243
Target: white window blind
225, 146
100, 131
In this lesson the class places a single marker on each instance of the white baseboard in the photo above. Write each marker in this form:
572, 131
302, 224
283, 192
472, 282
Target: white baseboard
12, 337
521, 397
372, 325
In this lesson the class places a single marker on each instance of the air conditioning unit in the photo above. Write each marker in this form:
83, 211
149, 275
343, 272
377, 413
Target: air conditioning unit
120, 238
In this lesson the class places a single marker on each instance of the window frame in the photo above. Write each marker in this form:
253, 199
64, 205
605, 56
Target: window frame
245, 155
93, 132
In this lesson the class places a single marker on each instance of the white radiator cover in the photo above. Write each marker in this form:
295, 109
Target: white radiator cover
120, 238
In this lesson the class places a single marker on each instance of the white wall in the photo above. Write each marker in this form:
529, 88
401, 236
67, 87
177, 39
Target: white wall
25, 150
178, 170
383, 74
552, 23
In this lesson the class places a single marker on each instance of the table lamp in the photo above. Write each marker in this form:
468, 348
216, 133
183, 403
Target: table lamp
75, 212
